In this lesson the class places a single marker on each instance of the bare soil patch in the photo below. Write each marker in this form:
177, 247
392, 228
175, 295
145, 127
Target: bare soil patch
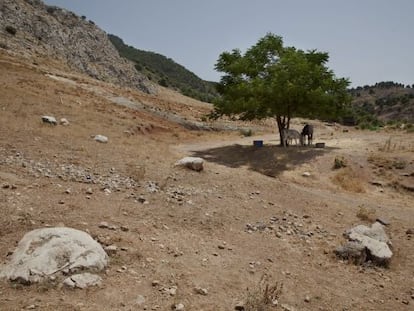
197, 238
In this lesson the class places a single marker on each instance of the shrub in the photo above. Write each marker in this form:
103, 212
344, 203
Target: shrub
339, 162
349, 180
399, 164
265, 297
163, 82
366, 214
51, 9
246, 132
388, 146
11, 30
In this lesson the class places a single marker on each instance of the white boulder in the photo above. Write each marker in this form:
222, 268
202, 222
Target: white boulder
43, 253
367, 243
193, 163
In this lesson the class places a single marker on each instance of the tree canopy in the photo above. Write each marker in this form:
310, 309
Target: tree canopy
271, 80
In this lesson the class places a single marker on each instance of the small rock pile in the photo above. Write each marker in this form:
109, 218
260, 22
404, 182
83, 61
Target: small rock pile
289, 224
180, 195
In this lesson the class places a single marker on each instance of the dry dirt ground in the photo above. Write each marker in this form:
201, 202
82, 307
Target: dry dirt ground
203, 239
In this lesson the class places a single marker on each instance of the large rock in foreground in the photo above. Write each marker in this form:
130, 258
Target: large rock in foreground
44, 253
366, 244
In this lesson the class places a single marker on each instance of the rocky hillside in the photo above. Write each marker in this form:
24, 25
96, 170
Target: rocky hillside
387, 101
32, 28
166, 72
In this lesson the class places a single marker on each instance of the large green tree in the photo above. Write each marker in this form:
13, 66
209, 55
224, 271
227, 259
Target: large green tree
271, 80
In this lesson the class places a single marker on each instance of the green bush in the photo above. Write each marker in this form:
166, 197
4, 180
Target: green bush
51, 9
163, 82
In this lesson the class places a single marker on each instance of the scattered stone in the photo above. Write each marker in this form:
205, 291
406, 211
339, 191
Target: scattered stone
155, 283
49, 120
45, 252
139, 300
239, 307
141, 199
306, 174
410, 231
101, 139
307, 298
193, 163
172, 291
178, 307
103, 225
201, 291
83, 280
124, 228
286, 307
64, 122
89, 191
152, 187
111, 249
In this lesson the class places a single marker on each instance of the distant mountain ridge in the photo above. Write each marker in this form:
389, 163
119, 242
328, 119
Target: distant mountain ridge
166, 72
31, 28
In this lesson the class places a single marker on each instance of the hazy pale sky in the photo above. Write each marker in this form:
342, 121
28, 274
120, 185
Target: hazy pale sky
368, 41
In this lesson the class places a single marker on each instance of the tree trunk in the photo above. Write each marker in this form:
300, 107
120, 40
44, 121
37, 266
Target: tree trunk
281, 125
283, 122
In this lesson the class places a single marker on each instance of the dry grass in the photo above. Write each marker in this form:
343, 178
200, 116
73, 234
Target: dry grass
265, 296
349, 180
390, 145
366, 214
385, 162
